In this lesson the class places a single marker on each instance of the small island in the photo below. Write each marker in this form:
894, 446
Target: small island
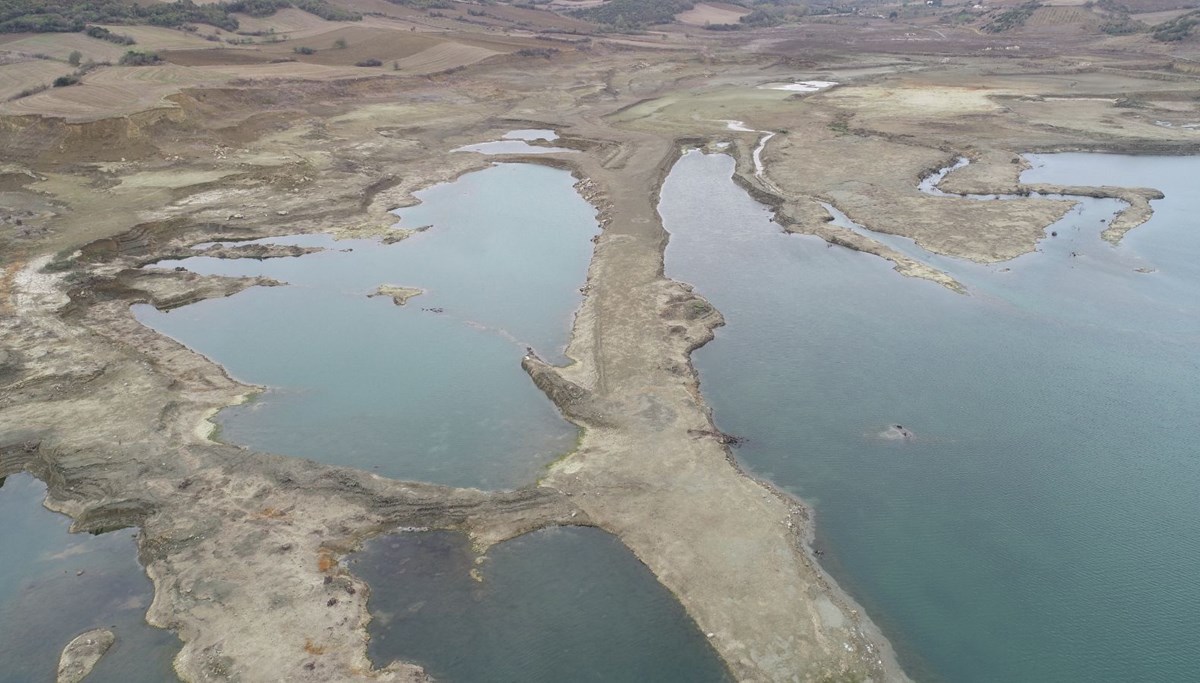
400, 295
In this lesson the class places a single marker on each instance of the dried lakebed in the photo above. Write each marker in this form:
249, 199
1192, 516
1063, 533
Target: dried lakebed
1036, 517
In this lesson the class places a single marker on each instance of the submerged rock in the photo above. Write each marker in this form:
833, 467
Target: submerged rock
896, 433
80, 656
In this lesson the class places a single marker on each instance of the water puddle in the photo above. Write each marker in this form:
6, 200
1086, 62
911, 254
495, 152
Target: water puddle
1039, 523
431, 390
55, 585
517, 142
565, 604
800, 86
756, 155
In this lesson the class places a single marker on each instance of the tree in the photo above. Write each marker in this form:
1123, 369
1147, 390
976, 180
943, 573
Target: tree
75, 58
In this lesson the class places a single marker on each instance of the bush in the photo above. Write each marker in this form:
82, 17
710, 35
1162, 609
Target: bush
75, 58
369, 62
1177, 28
634, 14
135, 58
340, 44
29, 91
45, 16
544, 52
105, 34
64, 81
303, 50
1012, 18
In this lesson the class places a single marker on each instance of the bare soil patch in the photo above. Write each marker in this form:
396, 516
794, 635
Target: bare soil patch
711, 13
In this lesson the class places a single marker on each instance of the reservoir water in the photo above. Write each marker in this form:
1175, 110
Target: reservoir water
55, 585
1042, 523
563, 604
432, 390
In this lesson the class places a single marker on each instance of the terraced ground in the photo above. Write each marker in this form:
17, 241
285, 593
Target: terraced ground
61, 45
17, 77
111, 92
402, 48
1064, 16
286, 23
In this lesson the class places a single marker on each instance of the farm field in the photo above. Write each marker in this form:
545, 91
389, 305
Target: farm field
61, 45
22, 75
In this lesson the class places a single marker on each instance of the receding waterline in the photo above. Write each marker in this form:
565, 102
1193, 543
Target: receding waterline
431, 390
1040, 522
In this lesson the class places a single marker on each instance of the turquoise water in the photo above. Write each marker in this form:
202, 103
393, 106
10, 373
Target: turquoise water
45, 602
434, 395
1043, 523
569, 604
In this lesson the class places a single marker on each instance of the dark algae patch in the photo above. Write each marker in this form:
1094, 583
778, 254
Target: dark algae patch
563, 604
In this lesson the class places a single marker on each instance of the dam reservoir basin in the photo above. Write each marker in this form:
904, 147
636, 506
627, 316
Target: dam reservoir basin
1039, 522
433, 391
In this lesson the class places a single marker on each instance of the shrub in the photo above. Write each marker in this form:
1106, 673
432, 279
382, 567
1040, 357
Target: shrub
303, 50
104, 34
75, 58
1178, 28
1012, 18
29, 91
340, 44
544, 52
369, 62
64, 81
135, 58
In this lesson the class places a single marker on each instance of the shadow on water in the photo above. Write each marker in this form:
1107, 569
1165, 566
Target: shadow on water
563, 604
1042, 522
55, 585
432, 390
